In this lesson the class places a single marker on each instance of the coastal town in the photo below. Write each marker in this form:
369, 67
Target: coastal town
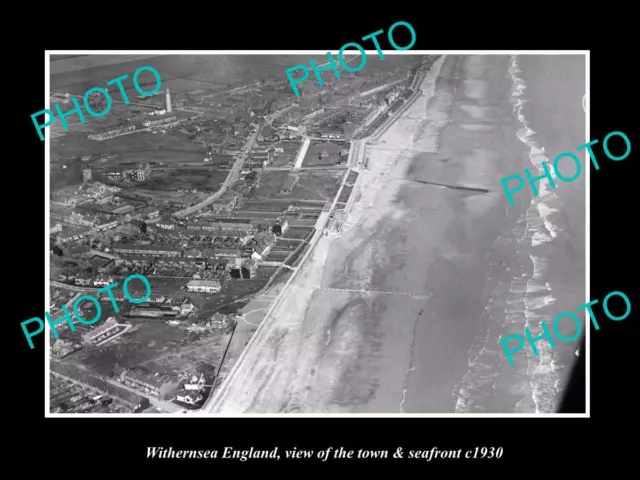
215, 194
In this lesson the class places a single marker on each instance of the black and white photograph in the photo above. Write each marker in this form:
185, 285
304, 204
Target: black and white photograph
300, 238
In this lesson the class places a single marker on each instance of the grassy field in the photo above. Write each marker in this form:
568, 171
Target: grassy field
147, 341
74, 145
172, 148
317, 185
321, 185
316, 148
269, 186
205, 180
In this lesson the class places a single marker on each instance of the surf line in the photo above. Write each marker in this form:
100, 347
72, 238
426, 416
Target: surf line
547, 333
548, 175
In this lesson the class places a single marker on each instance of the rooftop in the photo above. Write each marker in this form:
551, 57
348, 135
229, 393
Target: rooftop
204, 283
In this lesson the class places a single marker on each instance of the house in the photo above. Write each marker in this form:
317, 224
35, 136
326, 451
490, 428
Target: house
224, 205
253, 176
203, 286
114, 174
109, 327
156, 385
158, 299
149, 212
105, 224
153, 312
104, 198
102, 281
187, 308
190, 397
219, 321
195, 383
83, 280
151, 250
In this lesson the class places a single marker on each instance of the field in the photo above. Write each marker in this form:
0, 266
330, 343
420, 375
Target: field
74, 144
290, 150
318, 185
204, 180
115, 118
316, 148
321, 185
128, 151
152, 341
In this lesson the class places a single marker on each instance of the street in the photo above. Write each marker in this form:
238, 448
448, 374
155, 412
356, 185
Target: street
231, 178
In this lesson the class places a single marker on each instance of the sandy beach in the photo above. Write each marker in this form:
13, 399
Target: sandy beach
404, 311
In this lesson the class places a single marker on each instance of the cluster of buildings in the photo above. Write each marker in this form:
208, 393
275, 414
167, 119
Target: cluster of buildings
163, 308
160, 386
67, 396
187, 388
139, 174
106, 331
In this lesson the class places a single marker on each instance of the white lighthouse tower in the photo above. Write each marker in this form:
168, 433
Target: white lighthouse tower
168, 101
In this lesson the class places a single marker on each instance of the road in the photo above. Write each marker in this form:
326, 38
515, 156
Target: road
301, 153
231, 178
72, 288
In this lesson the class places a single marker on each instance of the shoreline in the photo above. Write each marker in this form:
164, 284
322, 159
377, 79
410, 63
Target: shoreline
311, 273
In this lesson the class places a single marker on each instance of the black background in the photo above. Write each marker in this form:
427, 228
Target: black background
121, 443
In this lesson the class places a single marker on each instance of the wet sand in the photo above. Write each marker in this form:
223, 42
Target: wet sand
432, 277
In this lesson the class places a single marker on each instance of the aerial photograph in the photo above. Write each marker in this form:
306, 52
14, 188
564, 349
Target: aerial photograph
348, 250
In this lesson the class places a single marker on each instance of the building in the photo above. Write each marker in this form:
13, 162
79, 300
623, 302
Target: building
105, 224
102, 281
152, 312
60, 97
152, 250
195, 383
114, 174
86, 175
103, 330
203, 286
83, 280
224, 205
140, 174
104, 198
166, 225
189, 397
231, 152
187, 308
150, 212
55, 228
156, 385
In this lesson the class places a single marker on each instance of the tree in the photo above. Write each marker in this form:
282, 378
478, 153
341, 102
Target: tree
143, 227
57, 250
